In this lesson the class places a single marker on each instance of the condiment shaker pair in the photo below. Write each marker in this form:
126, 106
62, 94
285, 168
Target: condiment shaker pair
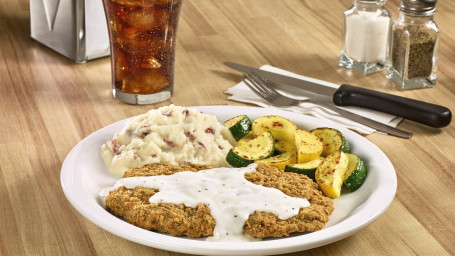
407, 48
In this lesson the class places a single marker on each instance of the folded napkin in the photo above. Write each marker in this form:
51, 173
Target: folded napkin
242, 93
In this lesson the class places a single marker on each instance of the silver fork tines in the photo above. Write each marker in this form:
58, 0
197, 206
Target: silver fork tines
264, 89
259, 86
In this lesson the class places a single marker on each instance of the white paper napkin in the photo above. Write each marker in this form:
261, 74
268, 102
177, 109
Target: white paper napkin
242, 93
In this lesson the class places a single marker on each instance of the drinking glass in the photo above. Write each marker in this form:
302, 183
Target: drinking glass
142, 35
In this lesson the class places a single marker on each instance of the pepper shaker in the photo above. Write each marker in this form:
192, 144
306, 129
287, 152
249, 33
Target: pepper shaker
414, 45
366, 33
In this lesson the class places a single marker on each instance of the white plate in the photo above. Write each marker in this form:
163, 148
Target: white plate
84, 175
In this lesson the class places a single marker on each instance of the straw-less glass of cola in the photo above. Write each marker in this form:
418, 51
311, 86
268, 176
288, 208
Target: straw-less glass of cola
142, 38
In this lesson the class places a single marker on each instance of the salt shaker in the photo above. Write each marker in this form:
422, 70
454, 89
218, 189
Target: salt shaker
366, 33
414, 45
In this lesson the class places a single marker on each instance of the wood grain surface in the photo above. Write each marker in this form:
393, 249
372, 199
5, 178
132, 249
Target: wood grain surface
48, 104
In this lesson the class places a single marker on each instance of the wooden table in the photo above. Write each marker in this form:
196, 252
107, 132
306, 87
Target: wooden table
48, 104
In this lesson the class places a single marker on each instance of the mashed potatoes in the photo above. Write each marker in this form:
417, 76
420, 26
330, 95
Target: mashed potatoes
173, 135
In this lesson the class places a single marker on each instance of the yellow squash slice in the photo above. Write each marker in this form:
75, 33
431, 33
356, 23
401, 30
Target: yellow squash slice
330, 173
332, 140
308, 146
280, 127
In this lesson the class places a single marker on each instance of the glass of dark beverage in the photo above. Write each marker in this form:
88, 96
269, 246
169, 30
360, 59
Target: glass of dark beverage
142, 37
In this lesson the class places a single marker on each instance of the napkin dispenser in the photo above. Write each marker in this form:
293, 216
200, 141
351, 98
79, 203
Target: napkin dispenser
76, 29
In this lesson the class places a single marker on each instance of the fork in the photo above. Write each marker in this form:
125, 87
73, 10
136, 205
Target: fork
264, 89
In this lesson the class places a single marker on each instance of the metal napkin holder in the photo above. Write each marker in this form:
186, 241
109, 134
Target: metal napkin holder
76, 29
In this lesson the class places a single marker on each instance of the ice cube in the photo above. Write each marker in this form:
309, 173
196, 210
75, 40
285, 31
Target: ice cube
146, 18
146, 82
151, 63
130, 39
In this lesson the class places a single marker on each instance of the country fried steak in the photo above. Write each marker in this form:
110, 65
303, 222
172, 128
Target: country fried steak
133, 205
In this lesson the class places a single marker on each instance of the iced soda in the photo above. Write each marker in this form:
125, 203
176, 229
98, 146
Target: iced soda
142, 37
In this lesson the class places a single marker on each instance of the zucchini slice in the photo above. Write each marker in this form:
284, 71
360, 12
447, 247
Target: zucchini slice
246, 138
239, 126
261, 147
280, 161
280, 127
356, 173
329, 174
332, 140
308, 146
308, 168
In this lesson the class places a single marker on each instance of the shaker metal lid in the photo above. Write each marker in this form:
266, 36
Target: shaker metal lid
418, 6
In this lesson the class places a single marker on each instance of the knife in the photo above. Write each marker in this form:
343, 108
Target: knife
347, 95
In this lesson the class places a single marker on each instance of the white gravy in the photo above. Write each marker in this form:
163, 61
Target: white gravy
230, 197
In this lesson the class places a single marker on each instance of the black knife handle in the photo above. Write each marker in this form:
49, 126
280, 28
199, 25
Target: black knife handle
418, 111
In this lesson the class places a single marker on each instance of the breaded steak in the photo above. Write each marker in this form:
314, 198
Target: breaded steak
133, 205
